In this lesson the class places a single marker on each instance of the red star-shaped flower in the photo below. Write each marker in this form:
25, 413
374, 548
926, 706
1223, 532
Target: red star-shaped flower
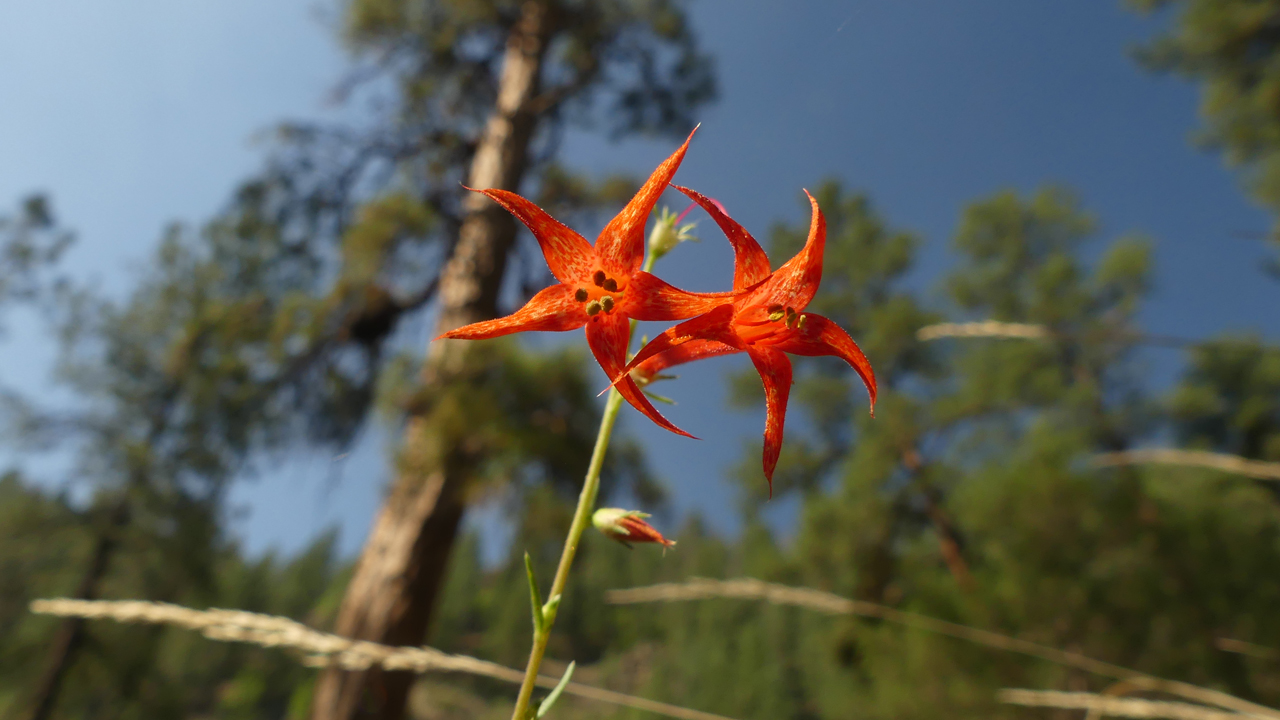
765, 319
601, 287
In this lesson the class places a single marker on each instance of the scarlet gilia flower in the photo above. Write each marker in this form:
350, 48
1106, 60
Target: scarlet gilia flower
766, 319
601, 286
628, 526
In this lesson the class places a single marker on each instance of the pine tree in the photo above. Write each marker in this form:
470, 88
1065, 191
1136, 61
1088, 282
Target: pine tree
1230, 48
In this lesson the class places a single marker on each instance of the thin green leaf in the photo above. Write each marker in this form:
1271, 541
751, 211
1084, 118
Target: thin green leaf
659, 398
560, 686
534, 596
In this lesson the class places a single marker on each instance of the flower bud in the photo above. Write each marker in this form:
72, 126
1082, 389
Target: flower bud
628, 526
668, 232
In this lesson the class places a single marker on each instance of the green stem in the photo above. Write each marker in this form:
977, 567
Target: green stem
581, 519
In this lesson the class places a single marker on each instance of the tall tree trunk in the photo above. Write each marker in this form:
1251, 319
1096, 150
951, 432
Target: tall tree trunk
392, 594
948, 538
70, 634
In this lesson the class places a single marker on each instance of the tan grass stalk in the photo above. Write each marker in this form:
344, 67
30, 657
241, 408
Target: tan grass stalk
988, 328
1113, 706
1030, 331
1236, 465
323, 649
1241, 647
752, 589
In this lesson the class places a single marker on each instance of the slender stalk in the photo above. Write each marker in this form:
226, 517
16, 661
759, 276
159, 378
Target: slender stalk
581, 519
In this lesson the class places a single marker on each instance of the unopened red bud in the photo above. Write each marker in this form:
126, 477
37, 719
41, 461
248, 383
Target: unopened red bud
628, 526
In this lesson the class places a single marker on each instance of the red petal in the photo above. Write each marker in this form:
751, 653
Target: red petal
714, 326
568, 254
607, 334
775, 373
818, 336
640, 531
649, 298
794, 284
681, 354
552, 309
750, 264
620, 246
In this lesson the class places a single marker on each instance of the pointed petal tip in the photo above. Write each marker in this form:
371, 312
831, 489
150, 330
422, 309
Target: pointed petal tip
620, 245
687, 140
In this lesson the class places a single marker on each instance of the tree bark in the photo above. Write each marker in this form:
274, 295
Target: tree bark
392, 595
948, 538
70, 636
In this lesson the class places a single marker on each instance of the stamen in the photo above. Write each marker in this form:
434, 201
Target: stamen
593, 307
599, 278
581, 295
800, 321
611, 285
775, 313
606, 302
791, 318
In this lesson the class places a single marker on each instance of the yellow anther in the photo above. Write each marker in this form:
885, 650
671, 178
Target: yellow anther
606, 302
800, 321
593, 307
775, 313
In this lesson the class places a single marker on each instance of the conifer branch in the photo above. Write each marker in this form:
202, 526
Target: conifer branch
752, 589
324, 650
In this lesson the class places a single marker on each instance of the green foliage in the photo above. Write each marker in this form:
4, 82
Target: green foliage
1020, 262
136, 671
31, 242
1229, 399
1230, 47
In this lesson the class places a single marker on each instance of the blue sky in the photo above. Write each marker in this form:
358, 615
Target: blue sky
133, 115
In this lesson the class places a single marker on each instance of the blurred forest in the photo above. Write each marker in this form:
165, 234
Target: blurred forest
970, 497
